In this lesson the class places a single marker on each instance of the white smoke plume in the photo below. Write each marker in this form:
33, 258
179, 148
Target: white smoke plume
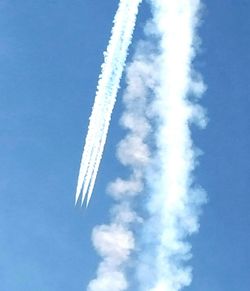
160, 106
115, 242
114, 60
174, 202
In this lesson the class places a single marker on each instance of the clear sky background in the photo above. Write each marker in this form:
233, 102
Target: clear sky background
50, 57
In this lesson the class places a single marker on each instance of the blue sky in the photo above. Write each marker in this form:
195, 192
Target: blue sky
50, 57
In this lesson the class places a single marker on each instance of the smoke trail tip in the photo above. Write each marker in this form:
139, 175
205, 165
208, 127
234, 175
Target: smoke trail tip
76, 200
78, 194
88, 199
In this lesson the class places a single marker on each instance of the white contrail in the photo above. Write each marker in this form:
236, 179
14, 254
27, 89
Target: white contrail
97, 114
119, 62
108, 85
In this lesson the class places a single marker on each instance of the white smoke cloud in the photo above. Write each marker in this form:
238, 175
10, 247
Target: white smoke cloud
108, 280
113, 242
160, 105
174, 203
134, 152
120, 187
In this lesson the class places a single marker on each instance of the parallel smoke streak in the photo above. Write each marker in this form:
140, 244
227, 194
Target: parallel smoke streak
107, 88
119, 64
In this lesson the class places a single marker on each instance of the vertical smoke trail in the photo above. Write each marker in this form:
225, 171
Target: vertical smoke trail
175, 200
107, 88
115, 242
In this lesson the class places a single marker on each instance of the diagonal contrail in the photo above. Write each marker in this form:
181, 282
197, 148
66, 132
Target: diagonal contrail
108, 85
118, 68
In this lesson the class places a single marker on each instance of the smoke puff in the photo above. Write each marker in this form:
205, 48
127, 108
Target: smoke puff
132, 151
113, 241
108, 280
122, 188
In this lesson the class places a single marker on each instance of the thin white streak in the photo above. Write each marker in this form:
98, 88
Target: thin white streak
108, 85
